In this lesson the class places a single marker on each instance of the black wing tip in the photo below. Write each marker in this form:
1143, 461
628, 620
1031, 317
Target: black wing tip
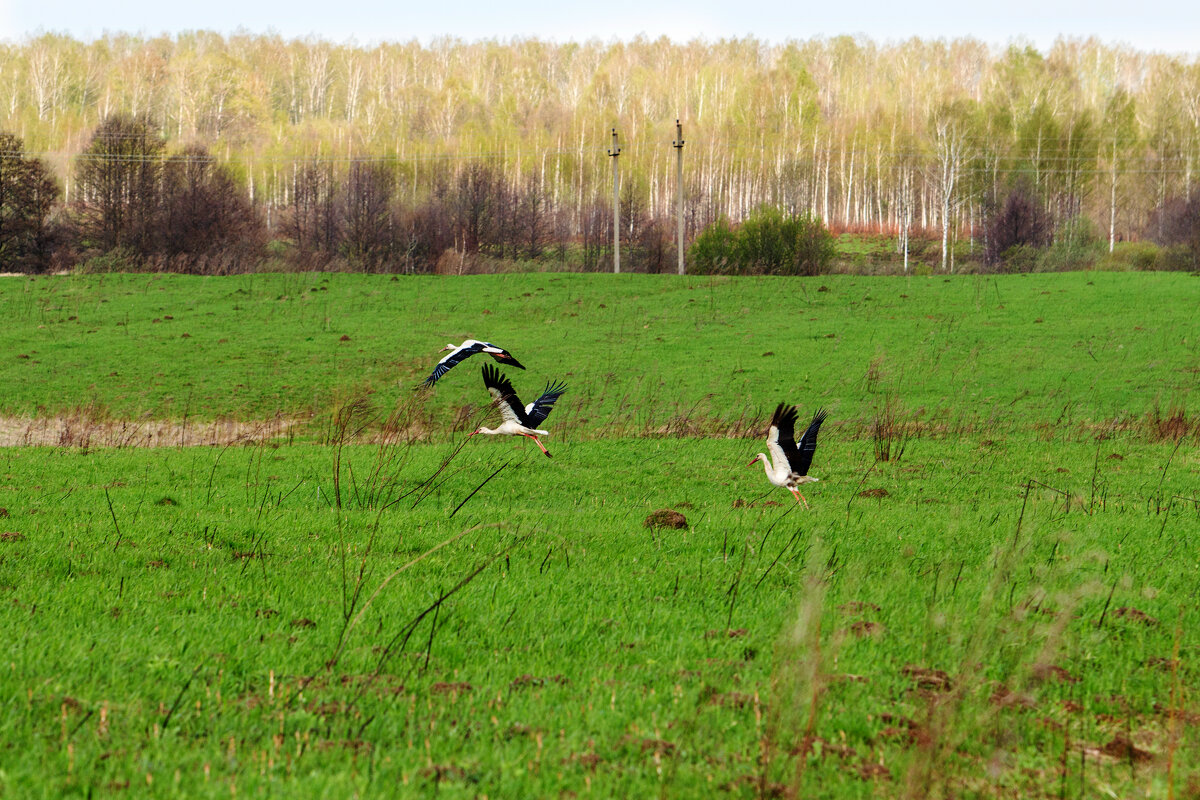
494, 378
508, 358
783, 412
819, 417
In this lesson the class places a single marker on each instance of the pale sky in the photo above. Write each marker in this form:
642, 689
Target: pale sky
1171, 26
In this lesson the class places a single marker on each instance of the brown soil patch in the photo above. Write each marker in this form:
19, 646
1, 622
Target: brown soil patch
873, 770
741, 503
589, 760
863, 628
666, 518
731, 699
660, 746
925, 678
357, 746
11, 536
816, 745
84, 430
732, 633
526, 680
1135, 615
907, 731
450, 688
1052, 673
1185, 716
857, 607
1006, 698
1123, 749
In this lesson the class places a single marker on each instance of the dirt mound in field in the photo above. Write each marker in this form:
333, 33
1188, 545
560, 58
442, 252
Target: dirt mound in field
666, 518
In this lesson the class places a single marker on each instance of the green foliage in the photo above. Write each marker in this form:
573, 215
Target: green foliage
712, 252
1138, 256
1180, 257
1076, 245
1020, 258
116, 260
768, 242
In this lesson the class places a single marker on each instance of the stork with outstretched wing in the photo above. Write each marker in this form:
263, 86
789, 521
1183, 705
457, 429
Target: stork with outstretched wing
518, 420
788, 463
462, 352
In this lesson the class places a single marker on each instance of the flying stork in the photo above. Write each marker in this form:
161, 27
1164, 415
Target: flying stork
464, 351
519, 420
789, 462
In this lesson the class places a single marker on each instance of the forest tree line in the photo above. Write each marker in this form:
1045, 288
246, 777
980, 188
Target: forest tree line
403, 156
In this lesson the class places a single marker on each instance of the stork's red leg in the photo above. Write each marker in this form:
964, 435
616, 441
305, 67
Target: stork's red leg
802, 497
539, 444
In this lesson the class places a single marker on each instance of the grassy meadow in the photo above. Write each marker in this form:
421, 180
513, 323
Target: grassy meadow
373, 605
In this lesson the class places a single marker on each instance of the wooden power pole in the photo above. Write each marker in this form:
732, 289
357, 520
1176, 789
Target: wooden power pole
615, 151
679, 189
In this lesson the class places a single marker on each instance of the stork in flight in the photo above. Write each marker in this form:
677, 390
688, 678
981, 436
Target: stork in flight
464, 351
519, 420
789, 462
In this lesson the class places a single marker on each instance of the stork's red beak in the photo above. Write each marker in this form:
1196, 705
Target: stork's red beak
752, 463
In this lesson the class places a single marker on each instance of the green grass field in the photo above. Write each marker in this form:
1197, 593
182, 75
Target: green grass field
373, 605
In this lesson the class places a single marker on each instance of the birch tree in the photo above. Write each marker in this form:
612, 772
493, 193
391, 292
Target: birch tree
951, 129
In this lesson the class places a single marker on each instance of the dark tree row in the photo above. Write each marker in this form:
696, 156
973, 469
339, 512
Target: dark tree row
468, 216
139, 206
28, 193
181, 211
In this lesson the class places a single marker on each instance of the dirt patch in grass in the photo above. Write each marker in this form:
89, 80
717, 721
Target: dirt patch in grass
926, 678
1123, 749
85, 430
528, 680
864, 628
732, 633
442, 687
1051, 673
665, 518
1135, 615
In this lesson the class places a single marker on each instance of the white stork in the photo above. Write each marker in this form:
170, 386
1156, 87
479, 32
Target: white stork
464, 351
790, 461
518, 420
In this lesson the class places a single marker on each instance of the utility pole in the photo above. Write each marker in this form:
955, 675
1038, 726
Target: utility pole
679, 189
615, 151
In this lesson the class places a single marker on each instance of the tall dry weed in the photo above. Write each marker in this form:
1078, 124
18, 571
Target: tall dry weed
891, 428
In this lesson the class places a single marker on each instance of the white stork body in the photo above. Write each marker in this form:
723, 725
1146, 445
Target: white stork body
461, 352
518, 420
788, 464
